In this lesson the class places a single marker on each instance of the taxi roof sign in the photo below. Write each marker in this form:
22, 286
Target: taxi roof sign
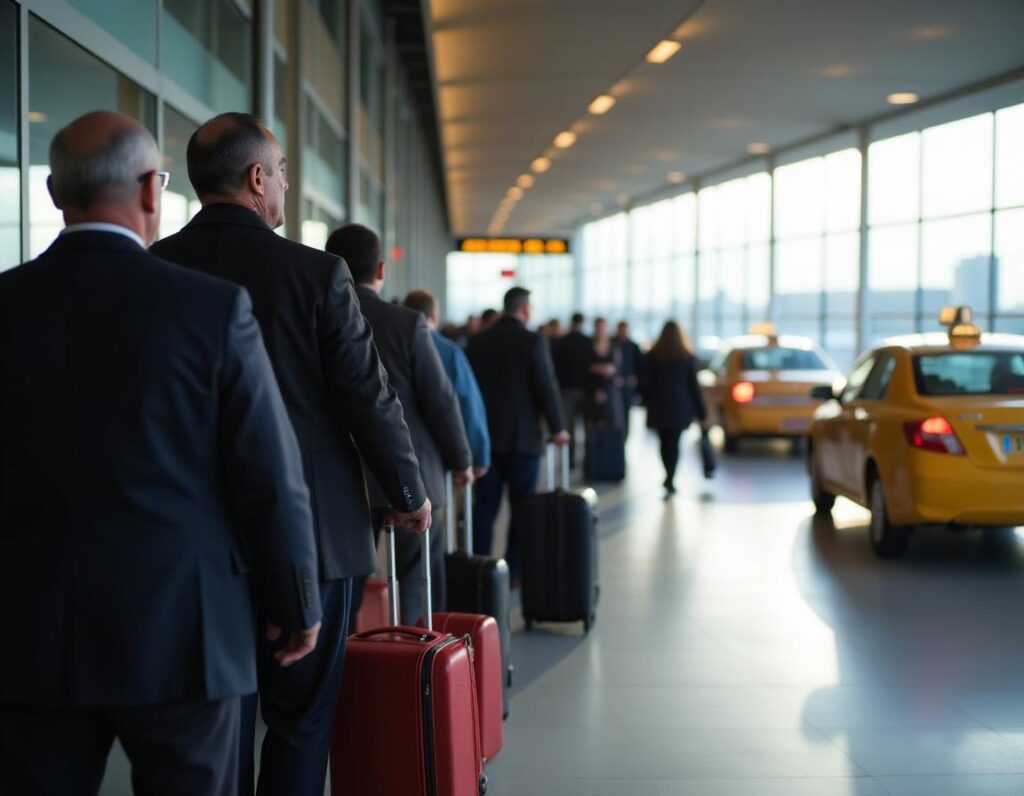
514, 245
963, 332
765, 328
951, 315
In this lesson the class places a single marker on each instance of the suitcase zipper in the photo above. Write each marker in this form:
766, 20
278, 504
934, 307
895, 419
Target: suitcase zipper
428, 714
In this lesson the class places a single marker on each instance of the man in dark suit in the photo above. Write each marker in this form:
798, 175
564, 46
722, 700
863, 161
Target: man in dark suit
146, 463
629, 356
572, 353
428, 398
514, 370
337, 396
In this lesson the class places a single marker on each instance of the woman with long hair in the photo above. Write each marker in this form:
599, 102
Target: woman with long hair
672, 394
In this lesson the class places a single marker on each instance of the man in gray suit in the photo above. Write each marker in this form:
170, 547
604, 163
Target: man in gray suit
428, 399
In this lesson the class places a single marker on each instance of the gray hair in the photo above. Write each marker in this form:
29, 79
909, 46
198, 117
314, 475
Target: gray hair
110, 173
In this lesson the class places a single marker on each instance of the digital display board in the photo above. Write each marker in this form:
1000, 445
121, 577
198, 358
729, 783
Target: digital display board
514, 245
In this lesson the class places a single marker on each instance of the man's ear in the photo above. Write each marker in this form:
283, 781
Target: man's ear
53, 192
380, 271
151, 194
256, 179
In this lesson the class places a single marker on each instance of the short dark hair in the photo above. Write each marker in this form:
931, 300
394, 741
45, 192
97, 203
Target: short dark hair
516, 298
218, 166
577, 318
358, 246
487, 314
422, 301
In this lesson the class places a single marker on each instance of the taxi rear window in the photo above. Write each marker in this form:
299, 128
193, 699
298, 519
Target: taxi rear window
970, 373
775, 358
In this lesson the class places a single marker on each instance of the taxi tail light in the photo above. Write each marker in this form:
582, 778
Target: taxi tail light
934, 434
743, 392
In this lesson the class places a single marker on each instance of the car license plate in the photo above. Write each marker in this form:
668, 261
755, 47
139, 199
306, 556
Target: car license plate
1013, 443
796, 424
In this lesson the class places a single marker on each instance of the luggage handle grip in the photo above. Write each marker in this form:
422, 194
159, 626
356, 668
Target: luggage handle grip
428, 610
450, 520
564, 469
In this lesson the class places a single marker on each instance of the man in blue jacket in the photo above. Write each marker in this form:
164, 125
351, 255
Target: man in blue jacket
474, 414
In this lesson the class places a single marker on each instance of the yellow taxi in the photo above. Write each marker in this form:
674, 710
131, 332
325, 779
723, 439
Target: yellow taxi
929, 430
759, 385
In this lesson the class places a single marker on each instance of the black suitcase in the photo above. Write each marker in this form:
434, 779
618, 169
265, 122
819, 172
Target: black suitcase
478, 584
605, 454
559, 554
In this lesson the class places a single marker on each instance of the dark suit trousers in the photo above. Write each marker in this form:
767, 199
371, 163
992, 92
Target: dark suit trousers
519, 471
574, 403
297, 704
184, 747
407, 564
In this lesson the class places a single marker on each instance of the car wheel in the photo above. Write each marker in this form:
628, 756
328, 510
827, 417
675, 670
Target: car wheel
823, 499
797, 446
887, 540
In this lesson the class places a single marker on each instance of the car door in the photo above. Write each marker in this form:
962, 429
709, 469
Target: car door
840, 471
862, 410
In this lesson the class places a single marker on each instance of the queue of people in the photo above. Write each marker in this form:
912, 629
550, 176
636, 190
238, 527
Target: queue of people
187, 432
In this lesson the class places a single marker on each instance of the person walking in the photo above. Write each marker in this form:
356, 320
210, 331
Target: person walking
147, 465
431, 410
571, 354
602, 398
629, 357
338, 398
513, 368
672, 395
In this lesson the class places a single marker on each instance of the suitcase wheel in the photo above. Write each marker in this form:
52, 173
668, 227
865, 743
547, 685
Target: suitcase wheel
509, 675
483, 784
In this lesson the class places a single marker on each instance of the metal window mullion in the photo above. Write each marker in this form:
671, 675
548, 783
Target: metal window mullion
919, 293
861, 309
772, 240
993, 277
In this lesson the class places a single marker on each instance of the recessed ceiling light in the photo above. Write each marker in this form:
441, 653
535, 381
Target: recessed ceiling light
525, 181
565, 139
601, 104
758, 148
837, 70
540, 165
676, 177
662, 51
515, 192
37, 117
902, 98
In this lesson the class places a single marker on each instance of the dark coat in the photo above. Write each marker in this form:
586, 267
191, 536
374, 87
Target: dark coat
513, 368
143, 446
671, 392
571, 354
428, 400
333, 384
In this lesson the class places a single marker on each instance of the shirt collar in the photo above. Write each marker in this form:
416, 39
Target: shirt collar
102, 226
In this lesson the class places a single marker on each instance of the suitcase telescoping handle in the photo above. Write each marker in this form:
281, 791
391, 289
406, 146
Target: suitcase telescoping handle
563, 450
449, 491
428, 609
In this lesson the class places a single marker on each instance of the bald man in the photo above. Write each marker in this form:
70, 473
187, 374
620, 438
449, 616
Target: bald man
338, 398
146, 465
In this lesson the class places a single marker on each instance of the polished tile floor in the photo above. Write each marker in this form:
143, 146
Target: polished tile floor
744, 647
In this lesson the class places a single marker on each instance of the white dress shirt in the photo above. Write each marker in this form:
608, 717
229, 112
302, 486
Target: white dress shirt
102, 226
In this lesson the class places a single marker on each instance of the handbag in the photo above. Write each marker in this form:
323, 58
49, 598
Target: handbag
707, 454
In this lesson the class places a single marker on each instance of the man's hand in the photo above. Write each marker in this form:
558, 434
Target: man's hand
463, 477
299, 645
480, 472
561, 438
414, 521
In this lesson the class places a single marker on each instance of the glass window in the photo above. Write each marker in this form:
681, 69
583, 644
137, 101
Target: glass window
877, 382
776, 358
1009, 259
970, 373
955, 264
858, 376
892, 277
894, 189
1010, 156
65, 82
10, 172
179, 202
132, 22
842, 272
279, 125
842, 190
206, 46
800, 198
323, 161
957, 167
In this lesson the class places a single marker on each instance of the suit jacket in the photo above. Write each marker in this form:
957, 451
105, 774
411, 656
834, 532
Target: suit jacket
513, 368
431, 407
571, 354
471, 402
331, 378
671, 392
143, 446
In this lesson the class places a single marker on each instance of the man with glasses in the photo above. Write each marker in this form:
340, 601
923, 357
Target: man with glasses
338, 397
146, 462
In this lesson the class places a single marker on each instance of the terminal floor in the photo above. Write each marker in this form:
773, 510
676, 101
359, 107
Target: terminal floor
744, 647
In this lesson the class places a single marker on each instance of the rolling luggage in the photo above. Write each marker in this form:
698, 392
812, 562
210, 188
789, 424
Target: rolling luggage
559, 553
373, 612
708, 459
604, 456
407, 720
479, 585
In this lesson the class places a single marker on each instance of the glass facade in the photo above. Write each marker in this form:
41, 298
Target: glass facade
174, 63
944, 225
478, 281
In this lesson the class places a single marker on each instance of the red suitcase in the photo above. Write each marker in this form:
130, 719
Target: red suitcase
373, 612
407, 718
